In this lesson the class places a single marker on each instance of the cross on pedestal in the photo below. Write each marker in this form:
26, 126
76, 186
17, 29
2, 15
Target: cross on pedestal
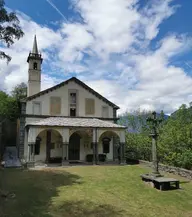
155, 122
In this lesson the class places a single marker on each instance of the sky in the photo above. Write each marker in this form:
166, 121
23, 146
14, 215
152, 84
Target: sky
136, 53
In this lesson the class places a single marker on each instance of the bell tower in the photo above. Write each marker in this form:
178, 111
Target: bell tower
34, 72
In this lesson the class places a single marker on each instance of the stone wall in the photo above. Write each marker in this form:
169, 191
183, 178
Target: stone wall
22, 131
170, 169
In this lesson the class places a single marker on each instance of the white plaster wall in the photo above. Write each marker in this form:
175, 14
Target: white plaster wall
88, 150
63, 93
42, 155
82, 151
56, 152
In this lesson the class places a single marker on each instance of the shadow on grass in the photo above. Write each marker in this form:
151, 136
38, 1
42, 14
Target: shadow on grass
86, 209
32, 193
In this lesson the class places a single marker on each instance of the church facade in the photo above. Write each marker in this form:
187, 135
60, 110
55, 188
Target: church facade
69, 122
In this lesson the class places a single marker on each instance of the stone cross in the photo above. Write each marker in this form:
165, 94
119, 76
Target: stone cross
155, 122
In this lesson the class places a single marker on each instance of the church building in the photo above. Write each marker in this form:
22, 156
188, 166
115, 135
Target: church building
67, 123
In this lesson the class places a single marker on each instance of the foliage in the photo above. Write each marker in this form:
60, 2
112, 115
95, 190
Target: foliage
138, 143
20, 91
8, 106
9, 29
174, 142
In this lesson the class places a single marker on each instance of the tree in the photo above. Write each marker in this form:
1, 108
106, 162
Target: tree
9, 29
20, 91
175, 141
8, 107
138, 143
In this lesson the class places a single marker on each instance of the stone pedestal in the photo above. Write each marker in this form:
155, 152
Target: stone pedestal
30, 164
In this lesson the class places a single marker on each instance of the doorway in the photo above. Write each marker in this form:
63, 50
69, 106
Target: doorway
74, 147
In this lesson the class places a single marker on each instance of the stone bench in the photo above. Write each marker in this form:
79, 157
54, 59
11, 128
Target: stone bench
161, 183
166, 183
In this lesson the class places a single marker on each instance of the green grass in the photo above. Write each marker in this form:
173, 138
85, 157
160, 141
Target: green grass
90, 191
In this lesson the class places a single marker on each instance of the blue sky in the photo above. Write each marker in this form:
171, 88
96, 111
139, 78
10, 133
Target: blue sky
136, 53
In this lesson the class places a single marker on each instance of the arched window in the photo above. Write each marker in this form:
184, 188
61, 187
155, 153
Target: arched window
35, 65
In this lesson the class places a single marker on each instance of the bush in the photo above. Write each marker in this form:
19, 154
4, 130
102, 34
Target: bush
183, 160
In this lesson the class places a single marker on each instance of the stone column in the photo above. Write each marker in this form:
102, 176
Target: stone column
65, 153
96, 153
95, 147
154, 156
31, 155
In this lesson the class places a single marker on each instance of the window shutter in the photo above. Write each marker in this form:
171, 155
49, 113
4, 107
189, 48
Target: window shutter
105, 112
90, 106
36, 108
55, 106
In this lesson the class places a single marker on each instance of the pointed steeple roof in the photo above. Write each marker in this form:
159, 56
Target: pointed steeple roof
35, 49
34, 54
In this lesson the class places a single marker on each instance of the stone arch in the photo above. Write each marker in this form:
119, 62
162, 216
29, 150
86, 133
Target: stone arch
109, 141
79, 142
109, 134
48, 145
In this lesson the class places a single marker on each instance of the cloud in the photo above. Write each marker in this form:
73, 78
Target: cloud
109, 49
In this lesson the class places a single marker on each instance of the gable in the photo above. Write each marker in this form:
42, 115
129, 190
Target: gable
80, 83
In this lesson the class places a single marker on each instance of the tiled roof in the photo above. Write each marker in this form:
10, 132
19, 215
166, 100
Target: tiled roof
75, 122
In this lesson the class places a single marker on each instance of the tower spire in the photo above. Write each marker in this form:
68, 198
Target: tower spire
35, 49
34, 72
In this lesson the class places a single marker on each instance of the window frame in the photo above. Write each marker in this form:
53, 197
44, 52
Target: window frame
107, 111
35, 65
73, 105
40, 107
88, 113
50, 105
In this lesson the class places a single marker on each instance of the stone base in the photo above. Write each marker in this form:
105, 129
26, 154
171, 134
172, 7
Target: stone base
65, 163
122, 164
30, 164
151, 176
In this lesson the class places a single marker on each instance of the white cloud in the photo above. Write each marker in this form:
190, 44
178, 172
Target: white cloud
109, 50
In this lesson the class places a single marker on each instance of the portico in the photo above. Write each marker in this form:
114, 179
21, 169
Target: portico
74, 139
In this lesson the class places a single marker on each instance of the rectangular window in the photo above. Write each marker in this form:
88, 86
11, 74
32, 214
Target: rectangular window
72, 112
36, 108
105, 111
89, 106
55, 105
73, 98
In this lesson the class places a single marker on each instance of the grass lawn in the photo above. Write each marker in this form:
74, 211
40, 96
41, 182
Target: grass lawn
90, 191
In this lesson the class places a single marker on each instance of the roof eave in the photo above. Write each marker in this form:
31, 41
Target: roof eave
80, 83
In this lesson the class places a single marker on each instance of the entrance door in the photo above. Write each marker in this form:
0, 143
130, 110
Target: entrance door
74, 147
